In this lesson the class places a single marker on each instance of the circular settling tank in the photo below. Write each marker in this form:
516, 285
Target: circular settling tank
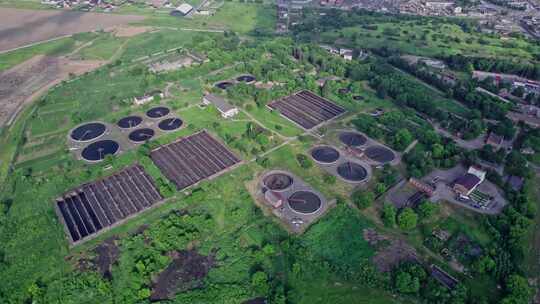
98, 150
352, 139
88, 131
129, 122
278, 181
141, 135
352, 171
158, 112
224, 85
305, 202
380, 154
245, 78
325, 154
170, 124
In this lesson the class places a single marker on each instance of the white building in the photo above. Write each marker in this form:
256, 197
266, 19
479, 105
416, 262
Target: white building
221, 104
184, 9
146, 98
347, 54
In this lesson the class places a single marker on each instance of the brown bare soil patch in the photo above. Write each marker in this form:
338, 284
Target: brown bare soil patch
186, 272
390, 252
130, 31
31, 78
20, 27
107, 253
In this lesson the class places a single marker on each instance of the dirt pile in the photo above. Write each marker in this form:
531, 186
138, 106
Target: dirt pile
107, 255
186, 272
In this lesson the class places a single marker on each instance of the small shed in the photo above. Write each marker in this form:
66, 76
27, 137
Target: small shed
226, 109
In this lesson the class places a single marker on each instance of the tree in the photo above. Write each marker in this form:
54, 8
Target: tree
516, 164
407, 219
484, 265
437, 150
406, 283
389, 215
426, 210
518, 290
402, 139
380, 188
363, 199
259, 281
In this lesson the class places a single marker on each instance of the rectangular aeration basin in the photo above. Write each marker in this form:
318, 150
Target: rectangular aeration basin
306, 109
192, 159
90, 208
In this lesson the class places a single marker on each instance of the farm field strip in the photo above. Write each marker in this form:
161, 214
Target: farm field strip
33, 26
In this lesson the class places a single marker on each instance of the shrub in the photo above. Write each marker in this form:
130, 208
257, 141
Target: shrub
363, 199
407, 219
329, 179
389, 215
304, 161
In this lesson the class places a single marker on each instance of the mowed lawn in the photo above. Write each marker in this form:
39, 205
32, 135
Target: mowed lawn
244, 17
233, 16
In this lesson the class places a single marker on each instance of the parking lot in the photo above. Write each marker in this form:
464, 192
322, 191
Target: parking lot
443, 181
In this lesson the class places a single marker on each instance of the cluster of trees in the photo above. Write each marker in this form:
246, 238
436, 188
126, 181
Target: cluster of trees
433, 152
485, 105
410, 278
143, 259
408, 92
489, 154
488, 106
408, 218
314, 23
397, 131
530, 139
505, 255
504, 128
364, 199
497, 65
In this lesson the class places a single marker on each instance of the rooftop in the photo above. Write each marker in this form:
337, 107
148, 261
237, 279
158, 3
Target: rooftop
221, 104
494, 139
468, 181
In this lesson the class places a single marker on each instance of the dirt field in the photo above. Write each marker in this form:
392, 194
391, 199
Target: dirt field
390, 252
29, 79
186, 272
130, 31
24, 27
107, 254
